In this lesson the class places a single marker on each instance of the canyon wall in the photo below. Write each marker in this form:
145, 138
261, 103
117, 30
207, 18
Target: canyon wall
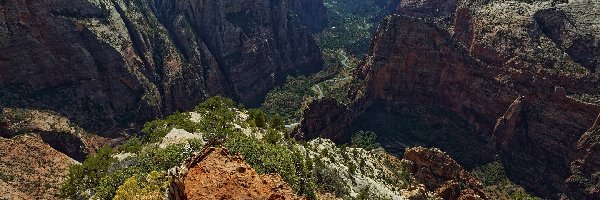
102, 68
505, 76
312, 13
113, 64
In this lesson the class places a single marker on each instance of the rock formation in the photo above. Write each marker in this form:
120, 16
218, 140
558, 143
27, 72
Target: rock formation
104, 67
312, 13
503, 75
111, 64
442, 174
214, 173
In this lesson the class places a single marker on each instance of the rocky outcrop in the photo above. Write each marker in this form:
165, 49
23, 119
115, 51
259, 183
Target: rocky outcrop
111, 64
528, 114
560, 28
442, 174
555, 36
584, 180
215, 173
36, 150
312, 13
325, 118
426, 8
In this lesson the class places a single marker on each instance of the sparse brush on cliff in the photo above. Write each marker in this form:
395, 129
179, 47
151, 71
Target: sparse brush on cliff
267, 157
133, 169
366, 140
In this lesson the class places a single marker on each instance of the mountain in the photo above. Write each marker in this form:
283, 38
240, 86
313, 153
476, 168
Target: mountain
75, 74
107, 64
491, 78
312, 13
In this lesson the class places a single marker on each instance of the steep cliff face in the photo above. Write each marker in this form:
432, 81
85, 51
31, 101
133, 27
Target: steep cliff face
440, 173
109, 64
529, 114
312, 13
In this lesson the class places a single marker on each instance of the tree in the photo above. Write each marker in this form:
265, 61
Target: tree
258, 117
366, 140
272, 136
277, 123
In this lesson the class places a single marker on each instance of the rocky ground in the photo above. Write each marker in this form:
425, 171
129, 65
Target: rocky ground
220, 175
36, 149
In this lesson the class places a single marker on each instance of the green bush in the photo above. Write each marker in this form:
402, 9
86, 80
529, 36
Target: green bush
155, 130
86, 176
272, 136
102, 175
276, 122
329, 181
150, 187
272, 158
366, 140
257, 118
218, 116
133, 145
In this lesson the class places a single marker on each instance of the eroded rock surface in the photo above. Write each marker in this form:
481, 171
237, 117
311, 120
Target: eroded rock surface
442, 174
216, 174
111, 64
483, 66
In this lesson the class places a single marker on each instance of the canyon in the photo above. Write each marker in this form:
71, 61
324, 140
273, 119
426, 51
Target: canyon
108, 65
513, 82
78, 75
496, 68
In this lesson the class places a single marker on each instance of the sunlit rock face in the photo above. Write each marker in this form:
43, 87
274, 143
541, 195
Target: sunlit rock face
110, 64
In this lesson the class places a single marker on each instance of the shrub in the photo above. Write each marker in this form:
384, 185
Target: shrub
272, 136
329, 181
271, 158
363, 194
157, 129
150, 188
276, 122
366, 140
133, 145
257, 118
218, 115
87, 175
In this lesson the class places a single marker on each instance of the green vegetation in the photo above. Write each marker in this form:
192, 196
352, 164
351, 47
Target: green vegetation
346, 39
218, 115
267, 157
257, 118
88, 174
137, 168
102, 174
276, 122
157, 129
287, 100
149, 188
352, 22
366, 140
497, 185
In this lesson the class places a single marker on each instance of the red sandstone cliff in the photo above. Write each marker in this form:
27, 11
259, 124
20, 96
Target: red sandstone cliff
495, 83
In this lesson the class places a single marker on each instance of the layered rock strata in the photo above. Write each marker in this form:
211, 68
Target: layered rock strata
111, 64
526, 110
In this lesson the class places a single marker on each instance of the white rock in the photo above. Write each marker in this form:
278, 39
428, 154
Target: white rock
178, 136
